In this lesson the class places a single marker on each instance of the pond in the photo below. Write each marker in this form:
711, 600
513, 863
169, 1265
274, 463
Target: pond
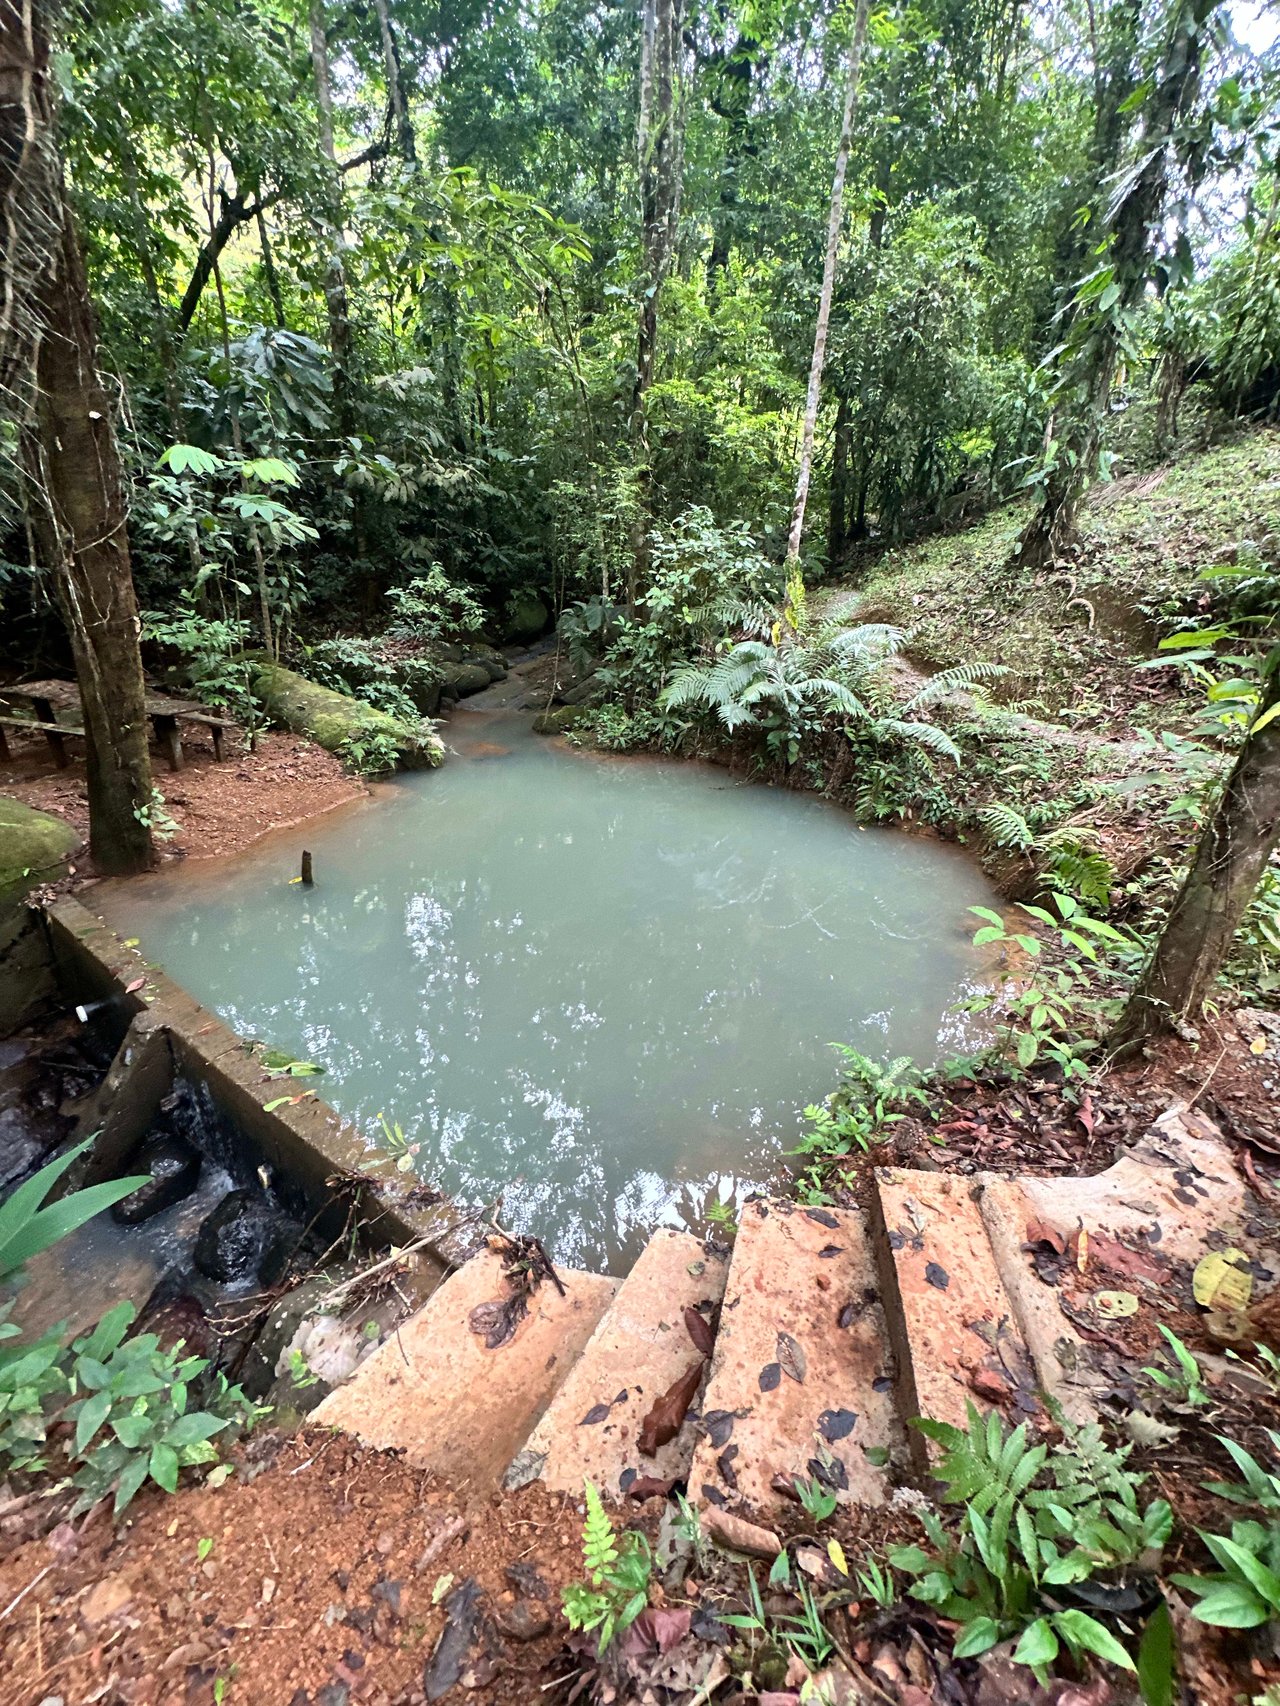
602, 987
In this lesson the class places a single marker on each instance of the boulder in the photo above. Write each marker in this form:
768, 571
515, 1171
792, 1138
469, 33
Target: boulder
422, 679
492, 662
34, 847
173, 1171
330, 718
527, 617
244, 1238
464, 679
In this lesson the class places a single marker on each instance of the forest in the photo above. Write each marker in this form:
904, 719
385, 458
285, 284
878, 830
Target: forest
877, 401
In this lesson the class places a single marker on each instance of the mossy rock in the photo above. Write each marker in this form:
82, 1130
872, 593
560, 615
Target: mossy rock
465, 678
527, 617
330, 718
34, 847
485, 657
559, 721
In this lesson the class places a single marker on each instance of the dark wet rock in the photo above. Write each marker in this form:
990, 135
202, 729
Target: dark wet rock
492, 662
173, 1171
464, 679
26, 1137
244, 1238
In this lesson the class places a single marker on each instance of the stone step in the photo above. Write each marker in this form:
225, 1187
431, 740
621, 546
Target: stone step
802, 1299
437, 1393
1162, 1202
640, 1350
954, 1329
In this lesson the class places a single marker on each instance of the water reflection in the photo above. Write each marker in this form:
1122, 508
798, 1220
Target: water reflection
603, 989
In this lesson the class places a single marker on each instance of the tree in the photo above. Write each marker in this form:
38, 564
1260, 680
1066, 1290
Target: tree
1234, 847
835, 222
658, 146
48, 365
1108, 300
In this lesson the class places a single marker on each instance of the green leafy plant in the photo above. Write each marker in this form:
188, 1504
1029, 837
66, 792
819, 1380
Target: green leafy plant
871, 1097
618, 1571
817, 1502
370, 752
1244, 1593
1259, 1486
29, 1224
1184, 1382
134, 1422
1032, 1520
396, 1145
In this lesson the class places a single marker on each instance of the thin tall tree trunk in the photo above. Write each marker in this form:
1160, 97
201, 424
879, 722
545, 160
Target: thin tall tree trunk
48, 368
1235, 845
838, 508
269, 269
658, 145
835, 222
396, 98
337, 306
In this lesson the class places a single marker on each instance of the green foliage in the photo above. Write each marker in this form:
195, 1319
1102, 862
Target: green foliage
434, 607
134, 1423
1259, 1486
618, 1572
29, 1224
370, 752
816, 1501
870, 1099
210, 652
1244, 1592
1032, 1520
1184, 1382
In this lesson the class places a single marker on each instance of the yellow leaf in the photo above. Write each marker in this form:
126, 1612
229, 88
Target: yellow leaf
835, 1551
441, 1588
1222, 1281
1258, 1046
1115, 1305
1082, 1250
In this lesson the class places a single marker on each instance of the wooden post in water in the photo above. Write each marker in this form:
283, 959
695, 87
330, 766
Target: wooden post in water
307, 879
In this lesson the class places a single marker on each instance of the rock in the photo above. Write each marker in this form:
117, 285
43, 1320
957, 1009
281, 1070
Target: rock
330, 718
491, 661
464, 679
523, 1621
527, 617
244, 1238
105, 1599
173, 1170
26, 1137
560, 721
587, 692
34, 847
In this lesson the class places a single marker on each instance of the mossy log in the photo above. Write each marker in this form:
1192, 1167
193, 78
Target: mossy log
330, 718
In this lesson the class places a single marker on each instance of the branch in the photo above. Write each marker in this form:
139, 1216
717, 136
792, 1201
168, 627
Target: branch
236, 211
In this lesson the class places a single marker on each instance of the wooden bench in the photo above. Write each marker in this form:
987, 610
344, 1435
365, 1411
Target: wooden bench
167, 716
55, 733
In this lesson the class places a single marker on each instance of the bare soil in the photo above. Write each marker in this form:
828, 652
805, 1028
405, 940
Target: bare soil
218, 808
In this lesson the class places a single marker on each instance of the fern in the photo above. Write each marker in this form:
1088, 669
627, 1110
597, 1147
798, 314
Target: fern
618, 1572
1005, 827
948, 681
599, 1547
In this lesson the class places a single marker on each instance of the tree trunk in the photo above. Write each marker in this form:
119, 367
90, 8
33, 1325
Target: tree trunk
337, 307
48, 366
1234, 848
835, 221
658, 147
396, 99
838, 508
1094, 342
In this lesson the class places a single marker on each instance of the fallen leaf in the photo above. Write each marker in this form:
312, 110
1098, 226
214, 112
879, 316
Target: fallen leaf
462, 1619
1040, 1232
770, 1377
1222, 1280
791, 1358
989, 1383
1115, 1305
657, 1630
649, 1487
595, 1415
666, 1418
835, 1551
719, 1425
837, 1424
137, 984
1147, 1430
937, 1276
739, 1535
699, 1329
496, 1322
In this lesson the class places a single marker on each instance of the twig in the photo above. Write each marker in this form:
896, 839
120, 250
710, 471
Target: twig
365, 1274
436, 1545
271, 1551
18, 1598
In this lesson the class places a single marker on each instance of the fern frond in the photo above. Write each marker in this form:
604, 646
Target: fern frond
599, 1544
923, 734
949, 681
842, 698
1004, 826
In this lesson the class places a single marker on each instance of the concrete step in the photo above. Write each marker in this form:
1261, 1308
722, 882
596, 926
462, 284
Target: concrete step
640, 1349
1161, 1203
802, 1299
436, 1392
955, 1331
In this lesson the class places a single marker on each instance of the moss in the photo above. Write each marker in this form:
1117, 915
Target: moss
33, 849
331, 718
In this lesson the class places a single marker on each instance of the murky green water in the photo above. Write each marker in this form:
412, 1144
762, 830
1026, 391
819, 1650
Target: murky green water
602, 987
